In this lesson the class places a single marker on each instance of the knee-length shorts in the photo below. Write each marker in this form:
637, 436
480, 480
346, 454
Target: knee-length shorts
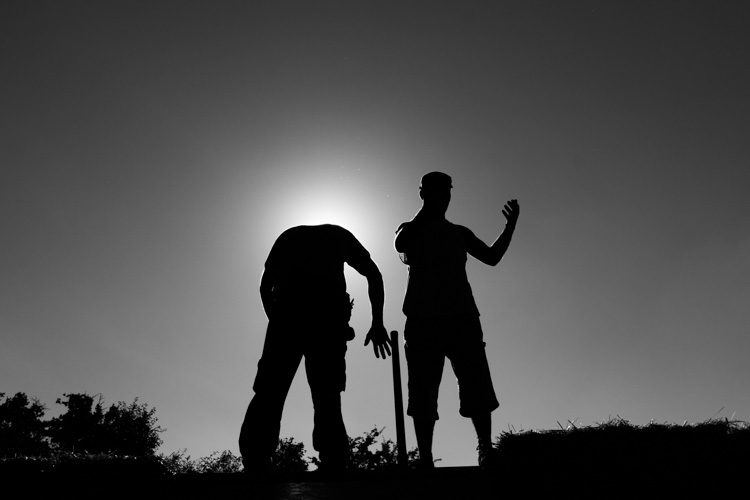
428, 341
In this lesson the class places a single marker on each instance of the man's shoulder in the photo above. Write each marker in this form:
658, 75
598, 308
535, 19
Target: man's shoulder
320, 243
405, 225
320, 232
461, 228
458, 229
413, 224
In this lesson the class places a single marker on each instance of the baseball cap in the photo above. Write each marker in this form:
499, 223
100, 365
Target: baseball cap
434, 180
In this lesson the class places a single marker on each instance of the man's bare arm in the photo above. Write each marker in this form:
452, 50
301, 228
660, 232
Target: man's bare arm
376, 293
492, 255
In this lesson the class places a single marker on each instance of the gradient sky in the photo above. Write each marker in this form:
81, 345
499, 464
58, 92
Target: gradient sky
151, 152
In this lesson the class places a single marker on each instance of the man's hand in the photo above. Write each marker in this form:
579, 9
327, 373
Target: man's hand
381, 343
511, 211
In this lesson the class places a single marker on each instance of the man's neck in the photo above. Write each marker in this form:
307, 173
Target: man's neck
427, 213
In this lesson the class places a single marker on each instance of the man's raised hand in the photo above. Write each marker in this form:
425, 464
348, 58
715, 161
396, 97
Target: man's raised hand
511, 211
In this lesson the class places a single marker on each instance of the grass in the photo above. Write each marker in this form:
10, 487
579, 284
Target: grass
65, 464
618, 452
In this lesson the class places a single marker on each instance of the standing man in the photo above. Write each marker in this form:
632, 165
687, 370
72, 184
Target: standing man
303, 290
442, 319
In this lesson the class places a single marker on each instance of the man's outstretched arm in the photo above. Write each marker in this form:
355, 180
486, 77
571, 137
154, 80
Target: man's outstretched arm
492, 255
381, 343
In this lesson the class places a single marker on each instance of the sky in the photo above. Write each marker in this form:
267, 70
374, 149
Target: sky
151, 152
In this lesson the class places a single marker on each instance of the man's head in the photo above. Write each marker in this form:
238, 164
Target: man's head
435, 190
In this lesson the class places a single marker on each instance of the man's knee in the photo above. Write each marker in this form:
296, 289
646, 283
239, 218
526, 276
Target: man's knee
422, 408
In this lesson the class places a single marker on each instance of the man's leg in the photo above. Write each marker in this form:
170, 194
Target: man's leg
424, 362
483, 426
325, 365
475, 390
486, 453
259, 435
260, 431
424, 428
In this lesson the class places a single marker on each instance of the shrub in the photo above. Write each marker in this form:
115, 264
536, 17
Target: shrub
123, 430
22, 431
366, 453
289, 456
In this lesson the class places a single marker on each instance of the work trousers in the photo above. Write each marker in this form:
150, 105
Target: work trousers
286, 343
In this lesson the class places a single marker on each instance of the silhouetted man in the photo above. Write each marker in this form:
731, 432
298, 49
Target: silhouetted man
442, 319
303, 291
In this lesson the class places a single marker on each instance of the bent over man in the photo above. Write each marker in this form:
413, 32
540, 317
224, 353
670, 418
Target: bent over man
303, 291
442, 319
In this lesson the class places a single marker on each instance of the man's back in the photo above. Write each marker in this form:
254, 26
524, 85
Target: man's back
308, 264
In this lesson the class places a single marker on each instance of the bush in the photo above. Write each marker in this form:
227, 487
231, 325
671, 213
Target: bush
289, 456
219, 462
123, 430
619, 448
366, 453
130, 429
22, 431
178, 462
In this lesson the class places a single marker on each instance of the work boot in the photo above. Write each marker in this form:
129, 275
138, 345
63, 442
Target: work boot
332, 463
423, 464
487, 456
256, 468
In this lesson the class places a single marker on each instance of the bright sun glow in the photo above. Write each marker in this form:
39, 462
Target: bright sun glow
331, 202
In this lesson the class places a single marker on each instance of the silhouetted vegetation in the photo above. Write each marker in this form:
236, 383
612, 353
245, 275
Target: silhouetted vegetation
85, 428
290, 456
619, 449
122, 430
179, 462
22, 430
362, 456
371, 451
85, 440
124, 437
88, 440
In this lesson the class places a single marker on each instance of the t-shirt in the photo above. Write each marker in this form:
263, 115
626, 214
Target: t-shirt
308, 264
436, 256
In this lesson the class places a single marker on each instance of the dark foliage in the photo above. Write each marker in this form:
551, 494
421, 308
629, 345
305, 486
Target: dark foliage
224, 462
372, 451
180, 463
619, 450
130, 429
22, 431
122, 430
289, 456
79, 428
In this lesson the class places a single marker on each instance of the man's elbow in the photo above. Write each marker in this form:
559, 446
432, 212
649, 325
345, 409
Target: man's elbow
492, 259
373, 274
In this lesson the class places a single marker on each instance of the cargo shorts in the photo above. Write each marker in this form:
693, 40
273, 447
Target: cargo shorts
428, 341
